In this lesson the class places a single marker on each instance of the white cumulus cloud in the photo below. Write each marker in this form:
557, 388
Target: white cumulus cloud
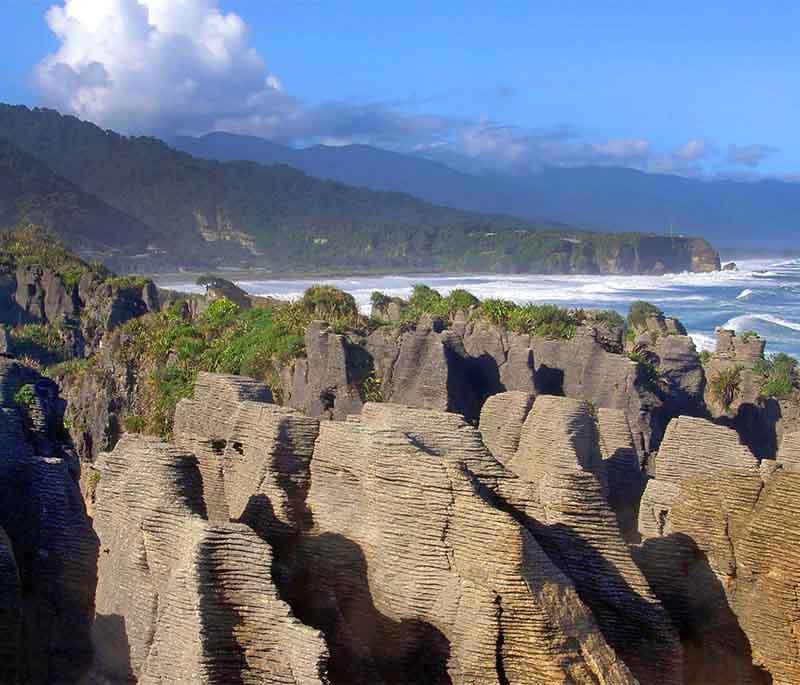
166, 67
153, 65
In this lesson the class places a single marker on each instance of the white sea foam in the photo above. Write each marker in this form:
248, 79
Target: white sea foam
703, 342
746, 321
701, 301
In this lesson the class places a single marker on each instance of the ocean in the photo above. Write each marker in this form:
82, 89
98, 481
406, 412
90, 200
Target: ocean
762, 296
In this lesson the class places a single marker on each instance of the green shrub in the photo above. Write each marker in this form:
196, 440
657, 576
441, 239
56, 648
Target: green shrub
326, 301
45, 343
648, 372
25, 396
779, 372
379, 299
640, 311
609, 317
726, 386
495, 311
134, 424
705, 357
541, 320
371, 388
426, 300
747, 335
461, 300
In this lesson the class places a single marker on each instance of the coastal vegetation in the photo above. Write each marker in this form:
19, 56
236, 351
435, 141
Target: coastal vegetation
726, 385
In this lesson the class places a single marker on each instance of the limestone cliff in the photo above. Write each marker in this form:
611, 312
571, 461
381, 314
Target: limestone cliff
48, 550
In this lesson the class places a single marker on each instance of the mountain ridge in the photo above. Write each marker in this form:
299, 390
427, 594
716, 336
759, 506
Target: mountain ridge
601, 198
209, 214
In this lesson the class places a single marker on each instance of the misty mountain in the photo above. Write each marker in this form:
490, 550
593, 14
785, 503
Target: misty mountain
205, 213
763, 213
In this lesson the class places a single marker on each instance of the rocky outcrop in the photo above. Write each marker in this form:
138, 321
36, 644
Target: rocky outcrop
719, 552
457, 369
758, 420
48, 551
432, 578
325, 382
10, 613
180, 595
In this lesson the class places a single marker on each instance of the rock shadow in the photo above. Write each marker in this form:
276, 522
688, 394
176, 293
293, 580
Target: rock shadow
716, 649
631, 624
328, 589
110, 639
549, 381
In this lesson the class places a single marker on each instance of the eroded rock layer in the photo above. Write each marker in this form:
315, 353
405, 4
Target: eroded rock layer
48, 550
721, 551
182, 599
426, 575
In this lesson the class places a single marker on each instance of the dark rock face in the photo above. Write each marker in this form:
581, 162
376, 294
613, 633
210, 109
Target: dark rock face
324, 384
48, 550
456, 369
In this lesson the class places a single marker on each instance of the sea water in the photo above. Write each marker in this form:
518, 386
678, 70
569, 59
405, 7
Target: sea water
762, 296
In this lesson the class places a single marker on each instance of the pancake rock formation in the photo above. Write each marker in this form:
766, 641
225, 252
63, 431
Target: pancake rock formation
721, 549
48, 551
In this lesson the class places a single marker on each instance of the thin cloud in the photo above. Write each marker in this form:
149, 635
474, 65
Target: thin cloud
750, 155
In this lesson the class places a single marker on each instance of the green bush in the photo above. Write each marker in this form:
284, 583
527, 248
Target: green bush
640, 311
779, 376
25, 396
649, 375
45, 343
744, 337
609, 317
495, 311
371, 388
461, 300
705, 357
726, 386
542, 320
134, 424
426, 300
379, 299
326, 301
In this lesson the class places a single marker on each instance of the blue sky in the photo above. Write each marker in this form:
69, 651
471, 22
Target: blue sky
678, 86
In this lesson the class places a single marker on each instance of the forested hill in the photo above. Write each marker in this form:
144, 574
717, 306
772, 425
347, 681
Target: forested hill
206, 213
729, 213
30, 192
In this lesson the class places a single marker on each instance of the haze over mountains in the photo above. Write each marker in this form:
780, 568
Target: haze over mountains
733, 214
72, 176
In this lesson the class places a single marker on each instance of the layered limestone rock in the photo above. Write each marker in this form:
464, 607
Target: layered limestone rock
324, 382
721, 554
180, 598
623, 471
10, 612
48, 551
560, 457
502, 417
417, 570
789, 454
431, 372
253, 456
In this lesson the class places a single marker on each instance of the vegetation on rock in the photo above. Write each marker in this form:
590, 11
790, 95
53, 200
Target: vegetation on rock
779, 376
726, 386
640, 311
